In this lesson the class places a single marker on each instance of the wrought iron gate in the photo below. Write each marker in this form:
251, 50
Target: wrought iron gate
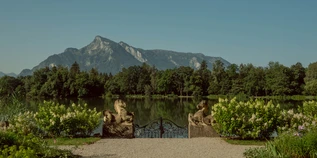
161, 128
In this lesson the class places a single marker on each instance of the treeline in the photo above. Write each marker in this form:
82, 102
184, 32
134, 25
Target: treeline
61, 82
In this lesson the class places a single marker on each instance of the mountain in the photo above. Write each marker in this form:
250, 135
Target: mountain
108, 56
2, 74
8, 74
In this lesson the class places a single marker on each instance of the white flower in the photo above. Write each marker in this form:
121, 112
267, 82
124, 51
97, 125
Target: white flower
252, 118
291, 112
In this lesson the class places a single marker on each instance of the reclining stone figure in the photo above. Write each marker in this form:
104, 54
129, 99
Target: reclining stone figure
122, 116
200, 117
200, 124
119, 124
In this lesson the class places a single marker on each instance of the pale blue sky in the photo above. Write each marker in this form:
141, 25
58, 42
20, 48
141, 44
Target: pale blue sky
240, 31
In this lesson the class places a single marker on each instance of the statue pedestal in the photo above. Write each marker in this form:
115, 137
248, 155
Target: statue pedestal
201, 131
114, 130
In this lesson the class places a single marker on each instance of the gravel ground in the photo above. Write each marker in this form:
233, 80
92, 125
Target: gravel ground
160, 148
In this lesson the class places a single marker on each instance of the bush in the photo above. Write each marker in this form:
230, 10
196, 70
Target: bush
310, 108
269, 151
76, 120
252, 119
16, 145
109, 94
305, 118
23, 123
10, 107
288, 144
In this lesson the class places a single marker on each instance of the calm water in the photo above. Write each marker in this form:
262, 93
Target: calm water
146, 110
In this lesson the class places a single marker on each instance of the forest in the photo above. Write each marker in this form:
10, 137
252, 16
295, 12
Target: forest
62, 82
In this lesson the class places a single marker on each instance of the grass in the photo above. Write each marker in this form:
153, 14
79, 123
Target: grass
72, 141
289, 97
245, 142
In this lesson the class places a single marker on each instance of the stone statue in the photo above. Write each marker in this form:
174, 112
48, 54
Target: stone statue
119, 124
200, 124
123, 115
199, 118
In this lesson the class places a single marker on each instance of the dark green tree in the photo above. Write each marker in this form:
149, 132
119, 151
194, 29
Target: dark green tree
219, 83
311, 79
277, 79
297, 79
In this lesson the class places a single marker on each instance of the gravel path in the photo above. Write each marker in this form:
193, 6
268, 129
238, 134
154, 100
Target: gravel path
160, 148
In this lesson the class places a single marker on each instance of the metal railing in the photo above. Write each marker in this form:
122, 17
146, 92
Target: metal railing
161, 128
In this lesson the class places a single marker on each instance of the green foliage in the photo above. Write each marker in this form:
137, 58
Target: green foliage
311, 79
23, 123
109, 94
278, 79
288, 144
257, 119
310, 108
269, 151
251, 119
61, 82
147, 90
14, 151
10, 85
304, 118
58, 120
17, 146
10, 107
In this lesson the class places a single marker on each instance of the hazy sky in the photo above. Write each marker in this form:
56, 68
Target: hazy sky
240, 31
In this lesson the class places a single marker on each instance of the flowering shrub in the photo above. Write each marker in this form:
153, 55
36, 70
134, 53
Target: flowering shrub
291, 121
256, 119
75, 120
310, 108
307, 118
23, 123
252, 119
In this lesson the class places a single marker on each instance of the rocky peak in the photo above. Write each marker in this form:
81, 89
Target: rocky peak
123, 44
99, 39
100, 43
71, 50
133, 51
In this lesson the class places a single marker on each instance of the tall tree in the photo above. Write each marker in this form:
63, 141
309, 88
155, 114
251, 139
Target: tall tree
277, 79
219, 83
232, 72
144, 78
182, 78
9, 85
311, 79
297, 79
205, 77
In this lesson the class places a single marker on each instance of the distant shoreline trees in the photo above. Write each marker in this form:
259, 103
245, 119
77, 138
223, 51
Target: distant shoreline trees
60, 82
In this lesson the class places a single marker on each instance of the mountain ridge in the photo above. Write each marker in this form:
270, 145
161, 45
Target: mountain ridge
108, 56
8, 74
